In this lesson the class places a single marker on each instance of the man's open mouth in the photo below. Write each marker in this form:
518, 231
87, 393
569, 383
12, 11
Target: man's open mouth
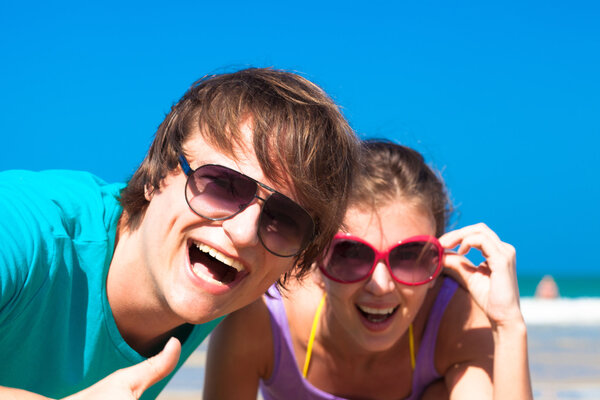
214, 266
377, 315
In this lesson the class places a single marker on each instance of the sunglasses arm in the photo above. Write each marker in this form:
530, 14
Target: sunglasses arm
185, 166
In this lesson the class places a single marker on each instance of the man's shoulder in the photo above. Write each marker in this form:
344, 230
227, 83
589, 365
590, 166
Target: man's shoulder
60, 201
54, 184
44, 218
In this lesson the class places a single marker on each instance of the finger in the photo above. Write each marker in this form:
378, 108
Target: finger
497, 254
460, 263
453, 238
481, 241
152, 370
460, 268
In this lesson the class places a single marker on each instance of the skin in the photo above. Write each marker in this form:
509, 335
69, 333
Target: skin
168, 295
474, 327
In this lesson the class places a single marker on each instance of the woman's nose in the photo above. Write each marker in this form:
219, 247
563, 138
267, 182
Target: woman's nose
380, 281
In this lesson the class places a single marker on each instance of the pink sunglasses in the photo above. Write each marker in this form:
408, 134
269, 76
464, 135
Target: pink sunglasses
413, 261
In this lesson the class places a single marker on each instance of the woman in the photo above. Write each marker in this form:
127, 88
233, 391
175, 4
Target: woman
377, 319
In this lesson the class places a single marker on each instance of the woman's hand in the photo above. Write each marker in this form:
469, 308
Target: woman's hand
492, 284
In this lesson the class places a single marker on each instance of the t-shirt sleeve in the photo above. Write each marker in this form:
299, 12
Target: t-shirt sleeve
23, 241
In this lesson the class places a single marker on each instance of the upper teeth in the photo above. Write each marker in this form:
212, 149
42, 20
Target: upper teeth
382, 311
220, 256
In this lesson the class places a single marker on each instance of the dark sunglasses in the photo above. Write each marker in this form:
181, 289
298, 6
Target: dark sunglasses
414, 261
217, 193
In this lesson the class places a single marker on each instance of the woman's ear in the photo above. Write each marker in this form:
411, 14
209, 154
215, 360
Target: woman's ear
432, 283
317, 277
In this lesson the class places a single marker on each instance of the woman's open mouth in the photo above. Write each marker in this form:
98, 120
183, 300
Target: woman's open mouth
377, 315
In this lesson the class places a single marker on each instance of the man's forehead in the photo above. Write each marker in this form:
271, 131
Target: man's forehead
238, 156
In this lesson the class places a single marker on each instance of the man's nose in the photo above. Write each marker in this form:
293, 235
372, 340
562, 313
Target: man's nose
242, 229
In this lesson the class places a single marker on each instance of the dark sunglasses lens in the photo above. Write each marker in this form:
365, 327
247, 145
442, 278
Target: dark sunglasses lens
285, 228
414, 262
349, 261
217, 192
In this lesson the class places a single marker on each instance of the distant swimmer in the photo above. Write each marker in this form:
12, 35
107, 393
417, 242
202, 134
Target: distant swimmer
547, 288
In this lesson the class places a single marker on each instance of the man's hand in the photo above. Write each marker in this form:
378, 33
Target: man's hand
130, 383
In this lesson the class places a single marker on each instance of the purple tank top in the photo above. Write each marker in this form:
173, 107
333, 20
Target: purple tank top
287, 381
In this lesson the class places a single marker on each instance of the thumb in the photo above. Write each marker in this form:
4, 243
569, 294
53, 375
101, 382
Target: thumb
152, 370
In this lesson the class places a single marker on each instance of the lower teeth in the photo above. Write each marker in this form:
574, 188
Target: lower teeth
204, 276
377, 318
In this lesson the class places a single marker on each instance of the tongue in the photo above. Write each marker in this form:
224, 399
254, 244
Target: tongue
211, 266
376, 317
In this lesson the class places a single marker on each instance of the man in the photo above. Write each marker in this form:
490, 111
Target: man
246, 179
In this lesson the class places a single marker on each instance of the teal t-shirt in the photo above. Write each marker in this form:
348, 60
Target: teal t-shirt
57, 332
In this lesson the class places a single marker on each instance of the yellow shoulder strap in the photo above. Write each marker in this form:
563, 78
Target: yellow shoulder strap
313, 332
411, 343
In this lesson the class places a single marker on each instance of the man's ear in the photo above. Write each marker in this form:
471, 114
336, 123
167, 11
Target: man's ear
148, 191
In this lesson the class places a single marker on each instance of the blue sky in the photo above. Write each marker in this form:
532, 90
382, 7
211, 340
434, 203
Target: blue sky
503, 98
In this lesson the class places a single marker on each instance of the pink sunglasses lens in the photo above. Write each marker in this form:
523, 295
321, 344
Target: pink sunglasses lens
349, 261
414, 262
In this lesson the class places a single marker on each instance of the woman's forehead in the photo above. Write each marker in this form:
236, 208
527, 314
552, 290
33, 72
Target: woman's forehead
392, 221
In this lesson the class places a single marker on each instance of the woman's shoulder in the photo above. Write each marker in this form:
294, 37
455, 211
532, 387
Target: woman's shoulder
298, 299
463, 313
246, 336
254, 318
465, 333
301, 298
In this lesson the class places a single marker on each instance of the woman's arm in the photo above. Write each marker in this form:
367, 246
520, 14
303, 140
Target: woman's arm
493, 286
511, 364
240, 353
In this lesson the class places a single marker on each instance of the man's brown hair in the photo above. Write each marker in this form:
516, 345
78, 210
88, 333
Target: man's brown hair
300, 139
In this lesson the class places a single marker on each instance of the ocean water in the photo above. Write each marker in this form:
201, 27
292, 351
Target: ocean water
568, 286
